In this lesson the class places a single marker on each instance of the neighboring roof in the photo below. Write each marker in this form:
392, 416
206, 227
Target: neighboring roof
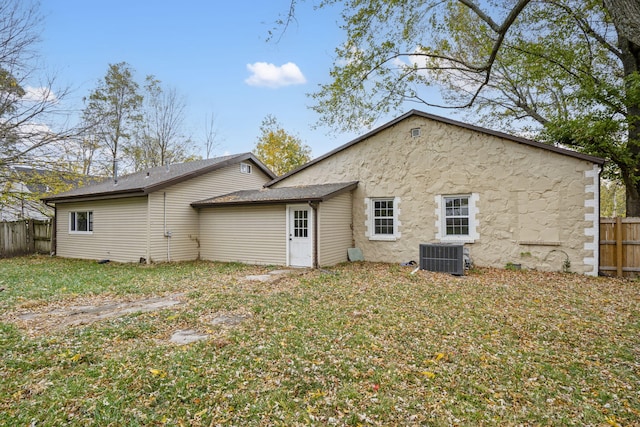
35, 179
440, 119
303, 193
153, 179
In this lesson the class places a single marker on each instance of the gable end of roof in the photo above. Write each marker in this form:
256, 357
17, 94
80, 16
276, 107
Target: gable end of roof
516, 139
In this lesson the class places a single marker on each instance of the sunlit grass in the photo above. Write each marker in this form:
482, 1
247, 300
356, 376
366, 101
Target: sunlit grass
363, 344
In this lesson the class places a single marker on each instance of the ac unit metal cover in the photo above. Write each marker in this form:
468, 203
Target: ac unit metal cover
443, 258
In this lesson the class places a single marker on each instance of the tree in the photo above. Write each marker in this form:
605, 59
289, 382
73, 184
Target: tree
612, 199
28, 105
113, 111
210, 135
161, 136
278, 150
568, 70
32, 139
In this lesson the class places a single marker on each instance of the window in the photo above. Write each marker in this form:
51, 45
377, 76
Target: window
457, 218
81, 222
383, 216
300, 223
415, 132
382, 222
245, 168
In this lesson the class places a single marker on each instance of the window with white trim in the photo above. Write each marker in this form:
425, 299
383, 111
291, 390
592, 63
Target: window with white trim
81, 222
382, 218
245, 168
456, 218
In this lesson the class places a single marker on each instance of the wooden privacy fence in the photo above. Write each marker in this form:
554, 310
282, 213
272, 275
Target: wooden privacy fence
620, 246
24, 237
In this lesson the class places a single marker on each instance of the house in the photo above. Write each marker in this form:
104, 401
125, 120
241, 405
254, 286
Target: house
417, 179
22, 187
17, 201
147, 216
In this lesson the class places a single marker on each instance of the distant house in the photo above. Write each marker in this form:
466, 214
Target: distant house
18, 199
418, 179
147, 215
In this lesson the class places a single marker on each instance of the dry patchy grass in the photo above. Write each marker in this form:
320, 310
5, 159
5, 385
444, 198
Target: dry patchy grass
363, 344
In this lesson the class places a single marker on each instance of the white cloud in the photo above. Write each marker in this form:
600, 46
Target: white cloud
39, 94
270, 75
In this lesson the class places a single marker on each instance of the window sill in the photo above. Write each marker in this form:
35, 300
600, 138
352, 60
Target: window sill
81, 232
384, 238
457, 239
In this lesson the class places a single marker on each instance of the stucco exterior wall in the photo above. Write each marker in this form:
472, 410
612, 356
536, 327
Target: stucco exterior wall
334, 230
533, 206
119, 230
249, 234
170, 211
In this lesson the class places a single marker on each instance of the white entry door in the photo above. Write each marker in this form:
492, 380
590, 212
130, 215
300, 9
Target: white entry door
300, 229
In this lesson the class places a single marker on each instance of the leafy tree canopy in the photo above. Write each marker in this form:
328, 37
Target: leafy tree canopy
565, 70
278, 150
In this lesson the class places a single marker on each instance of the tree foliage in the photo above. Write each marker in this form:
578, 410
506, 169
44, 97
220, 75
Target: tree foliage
567, 70
32, 135
29, 102
138, 127
113, 110
278, 150
160, 138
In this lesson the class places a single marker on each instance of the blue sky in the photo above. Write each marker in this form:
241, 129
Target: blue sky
214, 53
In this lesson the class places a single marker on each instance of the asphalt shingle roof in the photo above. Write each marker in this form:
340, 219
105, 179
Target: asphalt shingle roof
153, 179
303, 193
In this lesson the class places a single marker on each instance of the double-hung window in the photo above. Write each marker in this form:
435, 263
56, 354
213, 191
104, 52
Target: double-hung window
383, 217
457, 218
456, 213
382, 222
81, 222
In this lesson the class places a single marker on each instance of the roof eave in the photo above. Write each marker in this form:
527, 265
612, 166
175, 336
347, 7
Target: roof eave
96, 196
256, 202
348, 187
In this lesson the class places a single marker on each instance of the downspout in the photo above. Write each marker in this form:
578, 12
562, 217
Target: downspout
167, 234
314, 207
597, 230
54, 228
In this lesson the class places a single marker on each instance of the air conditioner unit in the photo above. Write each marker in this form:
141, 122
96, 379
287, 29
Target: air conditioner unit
443, 258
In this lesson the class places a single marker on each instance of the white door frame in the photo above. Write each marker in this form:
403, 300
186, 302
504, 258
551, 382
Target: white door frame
307, 245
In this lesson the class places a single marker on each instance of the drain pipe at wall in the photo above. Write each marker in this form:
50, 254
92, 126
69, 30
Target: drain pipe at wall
167, 234
314, 207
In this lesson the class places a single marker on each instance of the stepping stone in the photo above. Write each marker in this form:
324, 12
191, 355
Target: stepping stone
187, 336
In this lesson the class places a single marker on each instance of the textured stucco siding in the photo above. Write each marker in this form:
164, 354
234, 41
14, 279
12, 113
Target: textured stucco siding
248, 234
172, 206
334, 230
119, 230
533, 206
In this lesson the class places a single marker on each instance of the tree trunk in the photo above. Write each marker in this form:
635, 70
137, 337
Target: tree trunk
626, 18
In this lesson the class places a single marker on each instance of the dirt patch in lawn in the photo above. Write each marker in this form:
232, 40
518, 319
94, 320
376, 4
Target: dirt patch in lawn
89, 310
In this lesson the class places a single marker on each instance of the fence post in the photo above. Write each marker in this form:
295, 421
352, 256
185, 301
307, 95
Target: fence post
31, 236
618, 233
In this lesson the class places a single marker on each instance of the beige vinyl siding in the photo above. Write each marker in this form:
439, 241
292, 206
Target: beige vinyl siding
119, 230
248, 234
334, 229
181, 219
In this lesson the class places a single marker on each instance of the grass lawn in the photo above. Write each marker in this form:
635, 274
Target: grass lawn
361, 344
